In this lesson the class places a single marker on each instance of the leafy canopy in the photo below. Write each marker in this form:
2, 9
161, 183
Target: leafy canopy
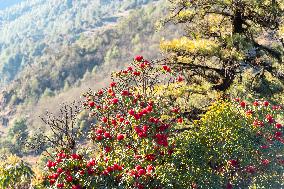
224, 39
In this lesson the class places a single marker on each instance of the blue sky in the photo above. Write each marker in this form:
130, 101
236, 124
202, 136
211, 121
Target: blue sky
7, 3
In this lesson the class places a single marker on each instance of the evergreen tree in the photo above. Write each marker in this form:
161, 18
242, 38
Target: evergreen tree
226, 38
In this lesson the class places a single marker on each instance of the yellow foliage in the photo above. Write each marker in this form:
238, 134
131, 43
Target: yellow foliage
185, 15
217, 24
190, 46
281, 31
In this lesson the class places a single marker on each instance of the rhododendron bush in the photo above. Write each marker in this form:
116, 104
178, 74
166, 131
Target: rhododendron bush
132, 136
141, 139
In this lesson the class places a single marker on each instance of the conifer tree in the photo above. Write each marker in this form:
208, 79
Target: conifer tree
225, 38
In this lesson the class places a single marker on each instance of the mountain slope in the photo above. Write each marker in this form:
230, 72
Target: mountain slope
69, 64
28, 29
40, 53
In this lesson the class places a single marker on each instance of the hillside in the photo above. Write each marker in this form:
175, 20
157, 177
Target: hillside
55, 64
31, 28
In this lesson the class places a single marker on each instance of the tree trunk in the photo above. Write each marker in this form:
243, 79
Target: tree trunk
238, 22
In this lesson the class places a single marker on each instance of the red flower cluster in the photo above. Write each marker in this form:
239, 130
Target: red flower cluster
72, 170
268, 131
129, 123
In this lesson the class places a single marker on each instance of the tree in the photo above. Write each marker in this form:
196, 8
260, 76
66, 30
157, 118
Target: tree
225, 38
18, 134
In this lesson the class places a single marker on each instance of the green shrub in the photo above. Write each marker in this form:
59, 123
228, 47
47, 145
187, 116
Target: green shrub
15, 173
234, 145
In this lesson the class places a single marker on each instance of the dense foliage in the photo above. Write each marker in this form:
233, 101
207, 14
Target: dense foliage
132, 136
139, 143
236, 144
15, 173
141, 130
225, 39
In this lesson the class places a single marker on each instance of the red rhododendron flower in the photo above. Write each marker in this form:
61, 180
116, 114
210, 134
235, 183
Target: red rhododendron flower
75, 156
142, 65
150, 157
92, 104
130, 69
141, 172
107, 135
138, 58
117, 167
76, 187
233, 163
137, 116
107, 149
166, 68
131, 112
250, 169
104, 119
138, 167
120, 137
175, 110
255, 103
265, 162
100, 92
179, 120
99, 131
69, 178
49, 164
249, 112
150, 169
124, 93
265, 103
145, 128
59, 170
179, 79
136, 73
277, 134
269, 118
99, 137
162, 139
278, 126
51, 181
55, 175
112, 84
60, 185
243, 104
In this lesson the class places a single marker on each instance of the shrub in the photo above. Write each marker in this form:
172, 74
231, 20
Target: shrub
132, 136
15, 173
234, 145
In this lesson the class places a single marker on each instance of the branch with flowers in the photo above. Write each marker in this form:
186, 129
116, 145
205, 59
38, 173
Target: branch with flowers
132, 137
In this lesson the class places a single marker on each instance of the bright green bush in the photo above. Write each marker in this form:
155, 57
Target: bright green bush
15, 173
234, 145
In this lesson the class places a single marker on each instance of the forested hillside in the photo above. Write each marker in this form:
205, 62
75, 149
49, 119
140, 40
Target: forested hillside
52, 50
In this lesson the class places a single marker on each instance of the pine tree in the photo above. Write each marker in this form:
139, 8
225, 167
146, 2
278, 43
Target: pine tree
225, 38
